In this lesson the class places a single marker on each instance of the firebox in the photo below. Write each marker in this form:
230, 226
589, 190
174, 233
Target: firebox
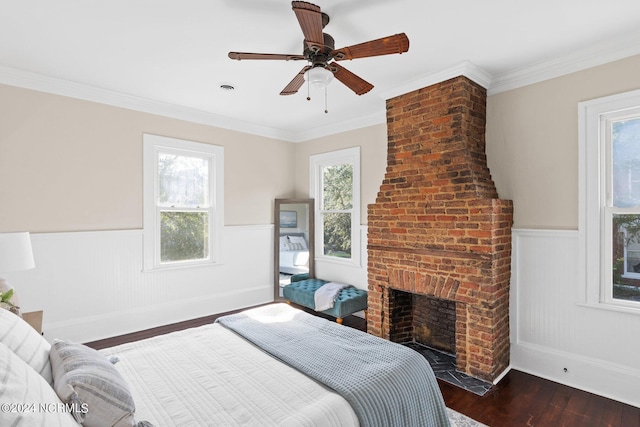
439, 238
424, 320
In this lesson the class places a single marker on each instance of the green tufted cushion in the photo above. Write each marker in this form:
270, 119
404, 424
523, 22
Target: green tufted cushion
349, 299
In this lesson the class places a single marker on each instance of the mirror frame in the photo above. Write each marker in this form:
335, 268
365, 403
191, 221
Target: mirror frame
276, 240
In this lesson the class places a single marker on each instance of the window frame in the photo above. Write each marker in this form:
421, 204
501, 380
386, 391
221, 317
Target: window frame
316, 164
596, 210
152, 146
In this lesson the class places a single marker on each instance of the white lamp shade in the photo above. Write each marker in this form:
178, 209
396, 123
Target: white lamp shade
15, 252
319, 77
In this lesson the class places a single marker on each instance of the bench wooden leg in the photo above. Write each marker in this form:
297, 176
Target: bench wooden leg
339, 320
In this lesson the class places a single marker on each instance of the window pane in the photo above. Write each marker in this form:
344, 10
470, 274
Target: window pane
183, 180
183, 236
337, 234
337, 189
626, 257
626, 163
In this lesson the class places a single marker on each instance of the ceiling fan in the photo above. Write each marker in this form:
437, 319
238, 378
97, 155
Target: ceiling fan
319, 51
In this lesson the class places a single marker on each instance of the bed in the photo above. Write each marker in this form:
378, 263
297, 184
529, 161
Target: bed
240, 371
294, 253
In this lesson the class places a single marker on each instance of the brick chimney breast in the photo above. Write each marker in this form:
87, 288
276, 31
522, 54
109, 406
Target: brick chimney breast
438, 228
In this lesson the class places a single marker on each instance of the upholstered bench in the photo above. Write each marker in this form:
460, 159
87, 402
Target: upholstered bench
299, 277
349, 301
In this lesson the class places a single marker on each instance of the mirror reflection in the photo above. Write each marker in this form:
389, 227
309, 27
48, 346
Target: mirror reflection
293, 241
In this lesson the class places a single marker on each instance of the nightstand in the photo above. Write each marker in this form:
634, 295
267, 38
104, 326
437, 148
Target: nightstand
34, 318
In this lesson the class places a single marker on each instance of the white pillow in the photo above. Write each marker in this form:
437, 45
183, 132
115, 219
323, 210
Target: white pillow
294, 247
83, 376
298, 240
26, 343
284, 241
27, 399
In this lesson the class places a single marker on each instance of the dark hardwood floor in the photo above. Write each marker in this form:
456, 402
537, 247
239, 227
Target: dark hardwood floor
519, 399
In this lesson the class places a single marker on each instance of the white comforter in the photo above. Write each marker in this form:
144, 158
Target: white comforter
294, 262
294, 258
209, 376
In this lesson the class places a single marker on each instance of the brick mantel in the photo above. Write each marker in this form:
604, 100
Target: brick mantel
438, 228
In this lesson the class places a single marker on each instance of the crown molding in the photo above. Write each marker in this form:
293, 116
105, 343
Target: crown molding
465, 68
344, 126
597, 54
42, 83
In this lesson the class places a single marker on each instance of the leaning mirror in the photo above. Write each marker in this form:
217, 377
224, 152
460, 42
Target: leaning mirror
293, 242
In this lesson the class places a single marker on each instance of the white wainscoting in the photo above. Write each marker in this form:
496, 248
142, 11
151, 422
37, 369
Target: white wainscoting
554, 337
91, 284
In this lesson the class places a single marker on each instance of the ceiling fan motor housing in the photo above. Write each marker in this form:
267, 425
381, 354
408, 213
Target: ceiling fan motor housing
320, 57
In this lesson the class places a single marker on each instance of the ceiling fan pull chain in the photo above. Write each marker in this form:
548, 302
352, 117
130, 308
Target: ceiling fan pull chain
326, 109
308, 90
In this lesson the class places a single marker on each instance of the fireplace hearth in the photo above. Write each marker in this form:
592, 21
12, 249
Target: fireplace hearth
439, 238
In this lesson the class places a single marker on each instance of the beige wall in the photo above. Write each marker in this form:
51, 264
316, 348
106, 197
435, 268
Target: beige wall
532, 141
373, 160
70, 165
73, 165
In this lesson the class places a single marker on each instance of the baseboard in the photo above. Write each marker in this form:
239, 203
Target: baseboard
592, 375
502, 375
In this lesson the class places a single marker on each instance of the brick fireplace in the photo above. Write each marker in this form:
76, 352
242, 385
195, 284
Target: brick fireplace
439, 238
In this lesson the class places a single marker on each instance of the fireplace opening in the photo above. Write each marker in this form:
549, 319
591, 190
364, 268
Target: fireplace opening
423, 319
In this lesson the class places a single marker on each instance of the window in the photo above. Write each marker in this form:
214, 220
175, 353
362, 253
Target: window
183, 195
610, 201
335, 186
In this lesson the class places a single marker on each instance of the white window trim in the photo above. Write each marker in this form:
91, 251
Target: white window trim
151, 231
594, 223
316, 163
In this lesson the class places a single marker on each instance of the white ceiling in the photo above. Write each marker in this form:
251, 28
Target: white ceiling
170, 57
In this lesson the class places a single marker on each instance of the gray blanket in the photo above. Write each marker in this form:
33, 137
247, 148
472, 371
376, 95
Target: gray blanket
388, 385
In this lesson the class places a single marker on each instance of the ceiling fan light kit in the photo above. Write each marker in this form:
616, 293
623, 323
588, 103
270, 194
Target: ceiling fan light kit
318, 77
319, 52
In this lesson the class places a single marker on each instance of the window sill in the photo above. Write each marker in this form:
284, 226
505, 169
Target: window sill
180, 266
339, 261
611, 307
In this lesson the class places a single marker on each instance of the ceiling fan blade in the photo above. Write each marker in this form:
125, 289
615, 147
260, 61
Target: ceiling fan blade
398, 43
247, 55
310, 20
295, 84
350, 80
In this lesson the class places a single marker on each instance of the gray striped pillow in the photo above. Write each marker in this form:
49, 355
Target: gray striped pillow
26, 397
26, 343
81, 375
